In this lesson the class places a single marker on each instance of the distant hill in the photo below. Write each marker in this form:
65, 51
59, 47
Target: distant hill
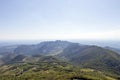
113, 49
7, 49
44, 48
92, 57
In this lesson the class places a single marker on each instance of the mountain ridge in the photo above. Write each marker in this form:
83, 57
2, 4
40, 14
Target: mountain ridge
85, 56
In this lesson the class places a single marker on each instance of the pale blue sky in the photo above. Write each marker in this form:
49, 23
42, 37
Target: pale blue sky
59, 19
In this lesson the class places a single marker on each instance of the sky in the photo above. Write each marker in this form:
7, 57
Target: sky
59, 19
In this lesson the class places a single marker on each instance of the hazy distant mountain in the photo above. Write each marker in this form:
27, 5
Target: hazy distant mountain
44, 48
7, 49
113, 49
72, 50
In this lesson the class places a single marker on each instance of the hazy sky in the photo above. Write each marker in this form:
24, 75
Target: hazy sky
59, 19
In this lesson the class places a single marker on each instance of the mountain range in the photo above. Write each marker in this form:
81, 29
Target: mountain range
105, 60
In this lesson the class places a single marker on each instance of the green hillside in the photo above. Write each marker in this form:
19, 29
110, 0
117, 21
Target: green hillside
92, 57
49, 68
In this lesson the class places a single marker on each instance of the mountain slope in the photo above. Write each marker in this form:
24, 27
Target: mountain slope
44, 48
20, 58
47, 68
113, 49
7, 49
92, 57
